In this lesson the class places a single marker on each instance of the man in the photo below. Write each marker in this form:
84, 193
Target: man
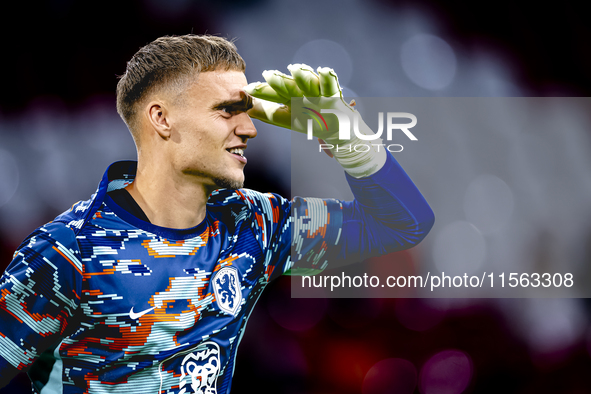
147, 286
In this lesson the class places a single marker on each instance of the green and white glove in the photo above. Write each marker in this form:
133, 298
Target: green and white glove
319, 91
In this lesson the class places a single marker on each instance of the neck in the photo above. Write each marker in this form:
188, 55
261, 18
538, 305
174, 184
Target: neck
168, 198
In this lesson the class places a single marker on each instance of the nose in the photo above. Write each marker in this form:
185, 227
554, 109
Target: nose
244, 128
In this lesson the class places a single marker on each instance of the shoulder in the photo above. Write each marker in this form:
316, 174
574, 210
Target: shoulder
46, 250
60, 233
79, 214
263, 210
249, 198
52, 233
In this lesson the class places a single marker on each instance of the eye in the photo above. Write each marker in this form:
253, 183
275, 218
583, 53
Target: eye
227, 111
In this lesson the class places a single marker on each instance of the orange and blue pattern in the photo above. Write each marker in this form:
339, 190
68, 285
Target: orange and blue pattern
121, 305
99, 301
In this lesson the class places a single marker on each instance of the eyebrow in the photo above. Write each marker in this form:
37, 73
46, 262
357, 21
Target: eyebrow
242, 105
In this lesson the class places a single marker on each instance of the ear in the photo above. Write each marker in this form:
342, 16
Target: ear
157, 116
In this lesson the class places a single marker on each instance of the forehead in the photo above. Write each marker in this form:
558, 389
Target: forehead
213, 86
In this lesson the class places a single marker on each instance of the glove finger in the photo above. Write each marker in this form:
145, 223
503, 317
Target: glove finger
283, 84
329, 82
306, 79
271, 112
264, 92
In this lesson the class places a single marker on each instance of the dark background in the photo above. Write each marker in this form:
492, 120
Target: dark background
60, 60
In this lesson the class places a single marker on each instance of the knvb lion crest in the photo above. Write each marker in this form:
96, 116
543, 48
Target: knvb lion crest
226, 285
200, 369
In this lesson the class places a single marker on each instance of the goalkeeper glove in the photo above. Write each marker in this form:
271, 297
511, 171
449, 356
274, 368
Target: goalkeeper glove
319, 91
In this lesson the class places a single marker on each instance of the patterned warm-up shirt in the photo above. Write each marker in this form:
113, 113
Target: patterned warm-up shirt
99, 301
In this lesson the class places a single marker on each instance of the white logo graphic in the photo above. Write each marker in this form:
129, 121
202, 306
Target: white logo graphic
200, 370
134, 315
226, 285
345, 130
345, 125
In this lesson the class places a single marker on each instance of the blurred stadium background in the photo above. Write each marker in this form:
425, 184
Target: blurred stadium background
59, 131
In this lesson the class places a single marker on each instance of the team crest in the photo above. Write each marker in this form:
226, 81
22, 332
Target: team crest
226, 285
200, 369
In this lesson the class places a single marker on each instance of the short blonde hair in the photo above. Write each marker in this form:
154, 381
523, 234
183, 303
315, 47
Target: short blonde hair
168, 62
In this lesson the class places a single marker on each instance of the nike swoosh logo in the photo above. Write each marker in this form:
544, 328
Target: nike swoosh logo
139, 314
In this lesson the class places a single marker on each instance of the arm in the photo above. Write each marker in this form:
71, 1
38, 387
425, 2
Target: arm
388, 214
39, 293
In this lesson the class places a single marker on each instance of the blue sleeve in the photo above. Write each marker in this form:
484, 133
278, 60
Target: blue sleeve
388, 214
39, 294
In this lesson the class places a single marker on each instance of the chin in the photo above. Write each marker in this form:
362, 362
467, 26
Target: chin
229, 183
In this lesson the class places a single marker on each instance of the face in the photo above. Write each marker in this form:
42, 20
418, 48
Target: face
211, 129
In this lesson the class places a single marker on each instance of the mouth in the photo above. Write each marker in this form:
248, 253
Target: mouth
238, 154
